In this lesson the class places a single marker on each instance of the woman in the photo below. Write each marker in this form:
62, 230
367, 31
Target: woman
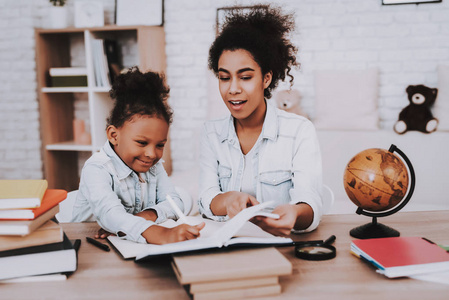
258, 153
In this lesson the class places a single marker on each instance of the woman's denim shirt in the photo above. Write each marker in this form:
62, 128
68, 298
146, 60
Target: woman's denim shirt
110, 192
286, 162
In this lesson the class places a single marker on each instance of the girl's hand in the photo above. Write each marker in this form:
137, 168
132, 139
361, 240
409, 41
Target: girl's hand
149, 214
298, 216
162, 235
231, 203
102, 234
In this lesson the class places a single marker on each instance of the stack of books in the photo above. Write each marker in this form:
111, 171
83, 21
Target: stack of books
402, 256
31, 243
231, 274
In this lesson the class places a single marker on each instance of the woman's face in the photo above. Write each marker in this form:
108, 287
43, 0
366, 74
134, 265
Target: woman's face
242, 84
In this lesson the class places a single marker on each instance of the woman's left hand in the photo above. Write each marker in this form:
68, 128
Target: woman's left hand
299, 215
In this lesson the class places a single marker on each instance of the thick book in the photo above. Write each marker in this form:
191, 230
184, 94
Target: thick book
236, 232
111, 49
48, 233
230, 265
24, 227
241, 293
402, 256
68, 77
22, 193
211, 286
38, 260
52, 197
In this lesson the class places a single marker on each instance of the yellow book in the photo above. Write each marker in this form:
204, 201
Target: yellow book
22, 193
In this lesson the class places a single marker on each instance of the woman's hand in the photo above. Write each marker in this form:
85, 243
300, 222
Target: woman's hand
298, 216
161, 235
231, 203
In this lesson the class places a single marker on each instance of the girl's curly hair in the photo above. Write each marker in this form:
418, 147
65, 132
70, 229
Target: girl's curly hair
262, 31
139, 93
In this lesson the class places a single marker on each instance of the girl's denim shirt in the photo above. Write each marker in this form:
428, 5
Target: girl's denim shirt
110, 192
286, 162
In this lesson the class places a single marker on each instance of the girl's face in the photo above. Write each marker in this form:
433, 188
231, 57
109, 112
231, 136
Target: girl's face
242, 84
140, 141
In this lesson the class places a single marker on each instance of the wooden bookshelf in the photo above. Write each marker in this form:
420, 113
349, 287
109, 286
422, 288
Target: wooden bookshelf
54, 49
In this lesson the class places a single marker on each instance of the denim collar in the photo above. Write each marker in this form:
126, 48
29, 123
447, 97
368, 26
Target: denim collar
122, 169
269, 129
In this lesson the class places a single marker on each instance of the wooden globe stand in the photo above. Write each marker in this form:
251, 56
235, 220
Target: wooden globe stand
378, 230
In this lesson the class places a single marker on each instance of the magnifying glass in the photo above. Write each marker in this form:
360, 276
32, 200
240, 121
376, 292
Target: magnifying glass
316, 250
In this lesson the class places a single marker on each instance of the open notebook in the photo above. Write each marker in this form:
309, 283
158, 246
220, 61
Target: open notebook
236, 231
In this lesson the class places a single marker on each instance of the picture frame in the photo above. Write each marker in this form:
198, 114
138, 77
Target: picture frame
397, 2
139, 12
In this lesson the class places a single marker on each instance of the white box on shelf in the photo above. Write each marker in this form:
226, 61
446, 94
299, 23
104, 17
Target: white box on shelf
140, 12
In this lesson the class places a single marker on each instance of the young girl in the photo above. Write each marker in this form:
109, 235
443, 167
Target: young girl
258, 153
124, 186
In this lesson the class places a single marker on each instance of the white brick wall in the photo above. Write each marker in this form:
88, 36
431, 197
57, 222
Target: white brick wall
406, 43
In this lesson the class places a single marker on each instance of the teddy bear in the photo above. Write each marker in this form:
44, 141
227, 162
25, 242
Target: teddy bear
417, 115
290, 100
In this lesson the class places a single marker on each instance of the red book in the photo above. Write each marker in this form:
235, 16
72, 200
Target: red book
402, 256
51, 199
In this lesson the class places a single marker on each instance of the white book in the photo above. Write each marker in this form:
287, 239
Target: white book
71, 71
236, 231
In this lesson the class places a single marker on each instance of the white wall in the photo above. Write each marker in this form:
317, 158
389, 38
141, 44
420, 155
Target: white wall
406, 43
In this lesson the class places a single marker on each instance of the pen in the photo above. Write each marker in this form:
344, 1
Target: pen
178, 211
97, 244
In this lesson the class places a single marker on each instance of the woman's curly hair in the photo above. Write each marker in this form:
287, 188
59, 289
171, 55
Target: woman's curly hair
262, 31
139, 93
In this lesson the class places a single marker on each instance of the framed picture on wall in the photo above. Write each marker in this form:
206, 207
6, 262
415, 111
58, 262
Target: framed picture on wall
139, 12
394, 2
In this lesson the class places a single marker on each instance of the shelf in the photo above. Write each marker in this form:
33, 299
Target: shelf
81, 89
68, 146
61, 48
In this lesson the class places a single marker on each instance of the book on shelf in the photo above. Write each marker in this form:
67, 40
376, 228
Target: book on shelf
48, 233
235, 232
38, 260
111, 49
52, 197
22, 193
68, 77
24, 227
402, 256
100, 63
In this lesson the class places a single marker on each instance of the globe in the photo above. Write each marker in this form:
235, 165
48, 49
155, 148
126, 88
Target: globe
376, 180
